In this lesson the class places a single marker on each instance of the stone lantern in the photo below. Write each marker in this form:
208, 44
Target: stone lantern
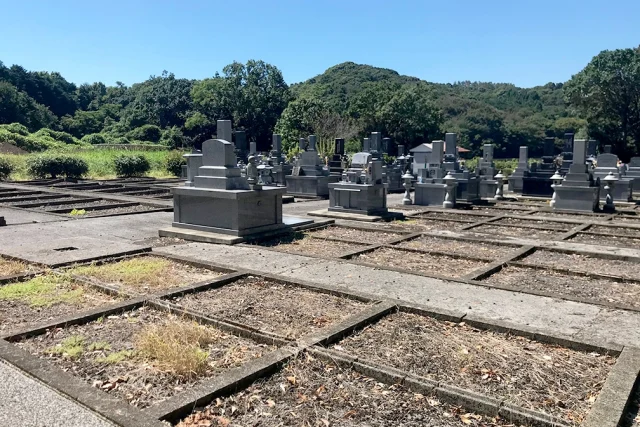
407, 177
500, 189
609, 182
557, 181
450, 187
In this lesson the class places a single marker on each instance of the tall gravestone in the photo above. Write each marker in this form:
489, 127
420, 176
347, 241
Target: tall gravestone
430, 190
280, 167
468, 188
522, 170
366, 146
242, 148
335, 164
567, 152
608, 163
579, 190
486, 172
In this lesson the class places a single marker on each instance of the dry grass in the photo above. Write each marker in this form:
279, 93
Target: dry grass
180, 347
11, 268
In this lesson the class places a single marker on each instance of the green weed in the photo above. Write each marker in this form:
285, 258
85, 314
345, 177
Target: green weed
43, 291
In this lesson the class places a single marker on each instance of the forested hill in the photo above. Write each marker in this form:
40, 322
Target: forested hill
42, 110
499, 113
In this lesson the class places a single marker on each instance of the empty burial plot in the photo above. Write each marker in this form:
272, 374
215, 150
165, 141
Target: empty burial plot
45, 298
441, 265
356, 235
143, 356
546, 378
303, 243
455, 215
586, 263
144, 274
534, 223
502, 211
458, 247
429, 224
568, 285
270, 306
76, 203
125, 209
311, 392
624, 231
552, 214
601, 240
524, 232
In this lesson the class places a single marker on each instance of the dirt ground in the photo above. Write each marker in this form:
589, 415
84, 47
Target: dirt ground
570, 216
424, 263
109, 357
284, 310
12, 268
61, 199
355, 235
458, 247
590, 239
129, 209
536, 223
145, 274
455, 215
302, 243
65, 299
525, 233
310, 392
631, 232
502, 211
585, 263
6, 148
424, 224
78, 205
542, 377
567, 285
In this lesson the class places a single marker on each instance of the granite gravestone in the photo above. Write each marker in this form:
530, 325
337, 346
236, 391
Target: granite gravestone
538, 181
431, 190
486, 173
221, 201
310, 178
522, 170
579, 190
335, 164
280, 168
467, 188
608, 163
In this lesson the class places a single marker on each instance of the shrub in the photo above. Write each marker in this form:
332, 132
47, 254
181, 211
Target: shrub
146, 133
120, 140
6, 167
94, 138
63, 137
57, 165
131, 165
28, 143
174, 163
173, 138
16, 128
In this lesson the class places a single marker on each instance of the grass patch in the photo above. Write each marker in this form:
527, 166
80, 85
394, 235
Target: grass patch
71, 347
178, 347
143, 271
43, 291
77, 212
117, 357
100, 345
11, 268
100, 162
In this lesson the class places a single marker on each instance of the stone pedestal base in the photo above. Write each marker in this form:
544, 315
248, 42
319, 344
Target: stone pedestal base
468, 190
585, 199
515, 184
232, 212
360, 199
394, 182
308, 186
622, 191
537, 186
429, 194
488, 189
389, 216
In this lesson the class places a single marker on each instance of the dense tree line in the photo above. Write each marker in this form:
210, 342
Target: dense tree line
348, 100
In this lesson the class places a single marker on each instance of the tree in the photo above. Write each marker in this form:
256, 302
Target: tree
607, 94
298, 119
252, 95
18, 107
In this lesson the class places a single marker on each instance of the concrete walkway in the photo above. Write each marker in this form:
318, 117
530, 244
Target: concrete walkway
561, 318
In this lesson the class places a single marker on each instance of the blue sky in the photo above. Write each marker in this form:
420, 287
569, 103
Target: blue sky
526, 42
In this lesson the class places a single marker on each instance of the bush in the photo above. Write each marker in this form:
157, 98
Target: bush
63, 137
6, 168
16, 128
173, 138
28, 143
94, 138
175, 161
119, 140
146, 133
131, 165
56, 166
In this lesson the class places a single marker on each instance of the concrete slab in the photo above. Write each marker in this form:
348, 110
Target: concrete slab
20, 216
326, 213
27, 402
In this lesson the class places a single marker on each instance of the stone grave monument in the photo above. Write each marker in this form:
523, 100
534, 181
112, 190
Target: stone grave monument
221, 206
391, 172
522, 170
486, 172
579, 191
608, 163
467, 189
567, 152
632, 171
336, 164
538, 181
309, 177
242, 148
280, 167
431, 189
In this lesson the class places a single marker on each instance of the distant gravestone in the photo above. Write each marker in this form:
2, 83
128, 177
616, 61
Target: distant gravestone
549, 147
437, 153
376, 141
366, 147
400, 150
241, 140
607, 160
302, 144
312, 142
450, 144
276, 143
607, 149
218, 153
634, 162
487, 153
387, 146
252, 148
224, 130
339, 147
